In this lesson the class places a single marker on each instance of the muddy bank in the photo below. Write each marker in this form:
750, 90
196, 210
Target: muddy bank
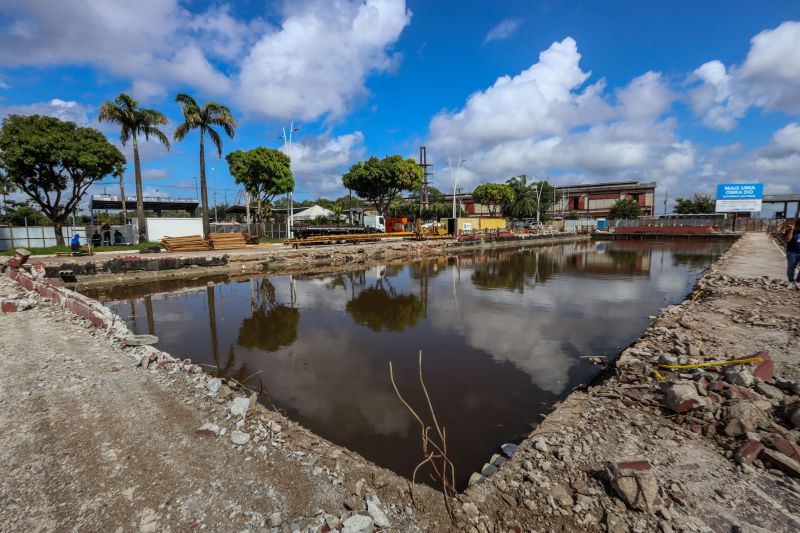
276, 260
686, 449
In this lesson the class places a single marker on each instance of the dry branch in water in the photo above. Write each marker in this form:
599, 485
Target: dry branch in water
433, 452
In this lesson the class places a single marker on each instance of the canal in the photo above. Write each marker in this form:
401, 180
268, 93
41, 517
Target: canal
504, 335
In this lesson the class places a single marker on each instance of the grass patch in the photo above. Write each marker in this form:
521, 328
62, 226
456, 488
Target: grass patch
51, 250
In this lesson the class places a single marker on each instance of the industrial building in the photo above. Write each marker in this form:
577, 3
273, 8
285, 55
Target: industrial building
593, 200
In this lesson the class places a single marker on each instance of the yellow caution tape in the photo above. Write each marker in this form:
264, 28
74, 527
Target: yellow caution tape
715, 363
658, 375
696, 295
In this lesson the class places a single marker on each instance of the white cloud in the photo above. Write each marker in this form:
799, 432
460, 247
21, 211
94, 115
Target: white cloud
769, 78
315, 64
318, 61
547, 120
319, 162
155, 174
503, 30
62, 109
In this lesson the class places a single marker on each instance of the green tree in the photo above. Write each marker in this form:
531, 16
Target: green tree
6, 186
134, 121
380, 180
529, 199
572, 215
493, 195
698, 203
204, 119
263, 172
624, 208
55, 162
21, 214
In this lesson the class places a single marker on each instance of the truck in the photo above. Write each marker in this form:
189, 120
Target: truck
356, 223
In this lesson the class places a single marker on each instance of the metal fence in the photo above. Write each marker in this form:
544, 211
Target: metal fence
269, 230
45, 236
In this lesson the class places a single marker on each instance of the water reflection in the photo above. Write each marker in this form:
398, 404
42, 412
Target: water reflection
272, 325
503, 334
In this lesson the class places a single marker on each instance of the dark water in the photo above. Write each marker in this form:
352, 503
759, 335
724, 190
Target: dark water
502, 335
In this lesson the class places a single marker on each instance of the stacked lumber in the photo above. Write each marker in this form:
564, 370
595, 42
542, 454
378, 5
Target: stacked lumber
193, 243
227, 241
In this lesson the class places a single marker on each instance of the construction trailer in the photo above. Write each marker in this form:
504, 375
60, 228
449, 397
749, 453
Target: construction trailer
455, 226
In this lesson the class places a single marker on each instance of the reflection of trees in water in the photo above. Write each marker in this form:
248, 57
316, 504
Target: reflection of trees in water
272, 325
380, 307
516, 271
626, 260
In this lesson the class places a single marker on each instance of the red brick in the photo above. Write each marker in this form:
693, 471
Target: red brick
749, 452
9, 307
781, 461
639, 466
789, 449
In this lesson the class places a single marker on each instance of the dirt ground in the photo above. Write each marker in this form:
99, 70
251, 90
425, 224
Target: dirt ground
91, 440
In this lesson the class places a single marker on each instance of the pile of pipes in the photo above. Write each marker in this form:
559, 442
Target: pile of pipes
227, 241
192, 243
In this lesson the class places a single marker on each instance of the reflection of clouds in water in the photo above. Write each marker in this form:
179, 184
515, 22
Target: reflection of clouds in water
541, 329
327, 376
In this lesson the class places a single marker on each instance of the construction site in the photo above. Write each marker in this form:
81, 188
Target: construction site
246, 368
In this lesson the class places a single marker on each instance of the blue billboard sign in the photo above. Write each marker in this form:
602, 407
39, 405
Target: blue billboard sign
739, 197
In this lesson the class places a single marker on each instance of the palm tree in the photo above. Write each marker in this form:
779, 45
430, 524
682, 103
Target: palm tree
6, 187
523, 200
203, 118
133, 121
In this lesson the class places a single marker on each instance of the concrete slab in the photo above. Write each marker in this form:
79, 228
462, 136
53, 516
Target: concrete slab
759, 256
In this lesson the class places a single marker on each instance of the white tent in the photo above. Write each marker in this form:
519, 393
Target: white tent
312, 213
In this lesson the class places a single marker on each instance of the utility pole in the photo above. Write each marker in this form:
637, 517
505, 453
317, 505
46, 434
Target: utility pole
665, 202
423, 190
214, 184
122, 196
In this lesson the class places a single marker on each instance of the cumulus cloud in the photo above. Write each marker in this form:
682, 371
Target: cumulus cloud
62, 109
503, 30
319, 59
547, 120
155, 174
315, 63
319, 162
768, 78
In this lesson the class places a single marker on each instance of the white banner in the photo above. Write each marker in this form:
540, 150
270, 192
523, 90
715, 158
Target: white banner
738, 206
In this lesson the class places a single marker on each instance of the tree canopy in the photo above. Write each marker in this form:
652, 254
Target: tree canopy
380, 180
624, 208
698, 203
493, 195
204, 118
528, 198
264, 173
55, 162
135, 120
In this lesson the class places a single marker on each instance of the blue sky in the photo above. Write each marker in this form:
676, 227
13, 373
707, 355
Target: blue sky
688, 94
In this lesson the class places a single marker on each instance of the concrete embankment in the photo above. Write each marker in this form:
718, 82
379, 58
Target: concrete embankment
696, 448
102, 269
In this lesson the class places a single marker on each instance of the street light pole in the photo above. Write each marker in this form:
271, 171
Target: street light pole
454, 177
287, 144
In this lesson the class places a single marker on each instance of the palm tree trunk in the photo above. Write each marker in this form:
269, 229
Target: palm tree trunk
203, 188
139, 197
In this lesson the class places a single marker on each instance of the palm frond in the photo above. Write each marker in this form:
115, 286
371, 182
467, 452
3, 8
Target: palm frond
181, 131
215, 138
125, 102
152, 131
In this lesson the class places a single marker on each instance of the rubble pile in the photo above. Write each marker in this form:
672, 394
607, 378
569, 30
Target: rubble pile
694, 428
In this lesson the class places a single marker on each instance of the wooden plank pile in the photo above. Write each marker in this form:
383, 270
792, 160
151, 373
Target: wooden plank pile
193, 243
227, 241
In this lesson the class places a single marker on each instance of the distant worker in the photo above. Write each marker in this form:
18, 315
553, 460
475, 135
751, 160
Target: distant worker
118, 238
793, 253
96, 239
75, 243
106, 229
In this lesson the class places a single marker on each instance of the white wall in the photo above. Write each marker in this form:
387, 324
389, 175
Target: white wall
158, 228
